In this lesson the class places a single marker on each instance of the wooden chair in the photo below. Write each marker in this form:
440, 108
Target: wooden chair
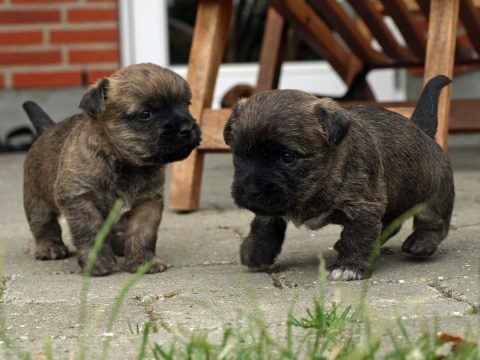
316, 21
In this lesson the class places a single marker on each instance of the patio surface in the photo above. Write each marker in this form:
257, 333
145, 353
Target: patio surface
205, 284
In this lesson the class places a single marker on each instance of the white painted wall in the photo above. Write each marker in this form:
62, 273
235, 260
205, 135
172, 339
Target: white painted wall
143, 32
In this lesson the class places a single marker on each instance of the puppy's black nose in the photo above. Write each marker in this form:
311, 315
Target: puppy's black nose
185, 130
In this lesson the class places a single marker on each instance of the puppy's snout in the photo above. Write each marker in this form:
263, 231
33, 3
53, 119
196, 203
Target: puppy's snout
185, 130
253, 190
168, 129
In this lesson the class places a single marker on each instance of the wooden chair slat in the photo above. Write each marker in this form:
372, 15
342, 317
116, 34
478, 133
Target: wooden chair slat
442, 33
272, 51
317, 34
208, 46
337, 18
403, 18
374, 21
463, 50
471, 21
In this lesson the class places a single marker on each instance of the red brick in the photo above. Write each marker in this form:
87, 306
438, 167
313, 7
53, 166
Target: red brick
21, 38
94, 75
92, 56
47, 80
89, 15
30, 57
41, 1
83, 36
29, 16
2, 81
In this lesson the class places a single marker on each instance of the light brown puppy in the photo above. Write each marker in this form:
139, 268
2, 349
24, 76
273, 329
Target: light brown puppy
133, 123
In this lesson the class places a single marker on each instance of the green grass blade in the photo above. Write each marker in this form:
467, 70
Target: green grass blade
117, 305
92, 256
47, 347
143, 345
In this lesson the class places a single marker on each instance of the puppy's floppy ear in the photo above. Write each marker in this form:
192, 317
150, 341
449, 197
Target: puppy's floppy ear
334, 120
227, 131
93, 102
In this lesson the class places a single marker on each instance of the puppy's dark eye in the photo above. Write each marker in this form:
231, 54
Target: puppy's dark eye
287, 157
145, 115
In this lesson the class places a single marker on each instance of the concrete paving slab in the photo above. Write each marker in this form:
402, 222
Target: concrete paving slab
206, 286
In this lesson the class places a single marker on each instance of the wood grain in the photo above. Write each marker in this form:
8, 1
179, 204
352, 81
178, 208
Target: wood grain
271, 54
208, 45
405, 21
375, 23
338, 19
442, 32
315, 32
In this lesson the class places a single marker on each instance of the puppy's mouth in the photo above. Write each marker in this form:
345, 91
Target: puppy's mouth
263, 204
177, 155
175, 146
264, 212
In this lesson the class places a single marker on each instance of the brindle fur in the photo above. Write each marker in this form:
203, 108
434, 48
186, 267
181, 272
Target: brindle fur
360, 167
79, 167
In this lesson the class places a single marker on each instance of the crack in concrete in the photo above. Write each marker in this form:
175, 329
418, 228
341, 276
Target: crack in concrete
449, 293
150, 306
281, 281
456, 227
205, 263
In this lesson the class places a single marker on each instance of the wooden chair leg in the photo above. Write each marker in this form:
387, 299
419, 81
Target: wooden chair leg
208, 45
271, 55
442, 32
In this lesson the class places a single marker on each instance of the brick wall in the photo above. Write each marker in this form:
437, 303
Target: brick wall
57, 43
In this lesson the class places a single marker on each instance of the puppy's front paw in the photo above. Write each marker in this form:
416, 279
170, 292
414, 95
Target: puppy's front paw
104, 264
157, 265
51, 251
257, 255
346, 272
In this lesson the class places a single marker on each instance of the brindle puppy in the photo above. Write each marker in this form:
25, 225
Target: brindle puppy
133, 123
307, 160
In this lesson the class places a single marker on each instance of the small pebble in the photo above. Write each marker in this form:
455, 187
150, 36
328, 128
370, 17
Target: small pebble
401, 281
440, 278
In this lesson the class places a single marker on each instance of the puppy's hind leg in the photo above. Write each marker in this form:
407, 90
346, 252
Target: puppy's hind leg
430, 228
43, 222
264, 242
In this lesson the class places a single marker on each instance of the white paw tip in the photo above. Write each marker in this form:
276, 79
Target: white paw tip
345, 274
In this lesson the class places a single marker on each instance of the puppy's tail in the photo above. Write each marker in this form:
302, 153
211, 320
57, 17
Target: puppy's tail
39, 118
425, 115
